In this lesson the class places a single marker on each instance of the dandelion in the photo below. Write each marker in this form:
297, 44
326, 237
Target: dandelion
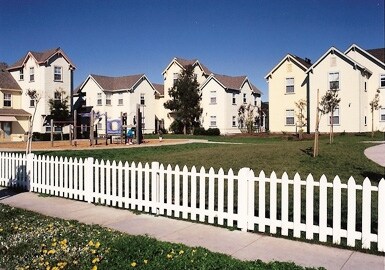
1, 229
181, 252
133, 264
52, 251
94, 267
96, 260
91, 243
97, 244
169, 256
145, 261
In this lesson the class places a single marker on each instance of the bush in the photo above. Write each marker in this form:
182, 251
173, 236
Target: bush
208, 132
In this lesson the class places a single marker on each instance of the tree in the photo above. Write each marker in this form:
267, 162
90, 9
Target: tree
374, 106
185, 99
35, 97
329, 103
246, 118
59, 107
301, 119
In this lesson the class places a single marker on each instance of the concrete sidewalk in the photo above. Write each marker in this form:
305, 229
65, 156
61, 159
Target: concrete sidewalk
376, 153
241, 245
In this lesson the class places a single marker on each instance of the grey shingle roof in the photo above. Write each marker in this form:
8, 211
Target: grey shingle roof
6, 79
159, 88
185, 62
378, 53
40, 57
306, 62
117, 83
14, 112
231, 82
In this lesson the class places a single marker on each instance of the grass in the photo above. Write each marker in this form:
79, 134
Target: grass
344, 157
33, 241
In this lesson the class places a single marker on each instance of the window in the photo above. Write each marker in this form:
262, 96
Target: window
57, 73
99, 101
175, 78
382, 114
244, 98
21, 75
234, 121
142, 100
289, 85
289, 117
31, 102
334, 81
31, 74
7, 100
382, 80
213, 97
234, 99
120, 99
57, 97
255, 101
108, 99
336, 117
143, 122
213, 121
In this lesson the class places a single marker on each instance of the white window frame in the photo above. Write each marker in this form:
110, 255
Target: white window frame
108, 99
336, 116
255, 101
142, 99
21, 75
32, 103
120, 99
290, 85
334, 78
382, 81
213, 121
234, 99
234, 121
99, 99
57, 74
7, 102
244, 98
382, 114
213, 97
289, 117
175, 77
31, 74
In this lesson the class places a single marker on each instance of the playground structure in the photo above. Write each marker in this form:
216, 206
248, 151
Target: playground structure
87, 123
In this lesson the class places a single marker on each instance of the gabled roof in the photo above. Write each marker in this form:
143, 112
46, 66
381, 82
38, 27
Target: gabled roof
343, 56
304, 64
375, 55
41, 58
184, 62
159, 88
231, 82
115, 84
7, 82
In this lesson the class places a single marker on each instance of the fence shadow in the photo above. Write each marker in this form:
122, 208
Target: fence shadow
308, 151
6, 192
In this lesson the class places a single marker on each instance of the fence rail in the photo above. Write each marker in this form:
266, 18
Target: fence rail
348, 214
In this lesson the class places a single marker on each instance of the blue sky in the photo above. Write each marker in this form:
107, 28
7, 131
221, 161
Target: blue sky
238, 37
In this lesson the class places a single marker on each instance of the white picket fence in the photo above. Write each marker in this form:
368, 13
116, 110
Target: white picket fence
323, 211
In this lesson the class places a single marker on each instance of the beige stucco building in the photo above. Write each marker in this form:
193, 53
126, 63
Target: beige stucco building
356, 75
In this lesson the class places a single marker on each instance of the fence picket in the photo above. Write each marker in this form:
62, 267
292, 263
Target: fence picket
336, 210
169, 189
185, 193
262, 202
211, 198
351, 219
220, 192
285, 205
309, 206
146, 187
202, 194
366, 213
297, 206
381, 216
230, 198
193, 193
161, 190
177, 191
323, 209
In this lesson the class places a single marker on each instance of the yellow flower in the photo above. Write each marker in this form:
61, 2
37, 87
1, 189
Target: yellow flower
145, 261
1, 229
53, 244
97, 244
91, 243
133, 264
94, 267
52, 251
181, 252
169, 256
96, 260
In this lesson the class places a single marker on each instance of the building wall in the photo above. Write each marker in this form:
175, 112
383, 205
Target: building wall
350, 92
280, 101
373, 84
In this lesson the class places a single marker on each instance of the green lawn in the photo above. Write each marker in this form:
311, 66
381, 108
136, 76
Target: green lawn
32, 241
345, 157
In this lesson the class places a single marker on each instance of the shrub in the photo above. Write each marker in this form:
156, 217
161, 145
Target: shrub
208, 132
199, 131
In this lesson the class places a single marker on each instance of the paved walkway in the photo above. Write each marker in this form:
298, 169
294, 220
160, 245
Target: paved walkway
241, 245
376, 153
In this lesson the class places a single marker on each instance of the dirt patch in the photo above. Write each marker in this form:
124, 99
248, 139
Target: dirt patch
80, 145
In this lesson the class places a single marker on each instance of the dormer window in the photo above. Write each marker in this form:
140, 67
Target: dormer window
31, 74
334, 80
21, 75
142, 100
244, 98
58, 74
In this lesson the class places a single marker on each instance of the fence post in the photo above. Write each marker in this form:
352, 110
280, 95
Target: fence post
381, 216
89, 179
243, 179
29, 172
155, 190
